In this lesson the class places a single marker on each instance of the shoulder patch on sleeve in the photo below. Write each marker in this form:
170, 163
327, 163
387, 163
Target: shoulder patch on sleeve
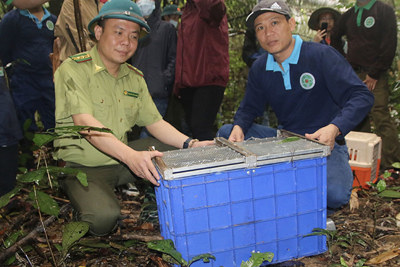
81, 57
135, 69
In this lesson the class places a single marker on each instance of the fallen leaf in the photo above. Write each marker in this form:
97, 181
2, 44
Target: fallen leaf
385, 256
354, 204
145, 226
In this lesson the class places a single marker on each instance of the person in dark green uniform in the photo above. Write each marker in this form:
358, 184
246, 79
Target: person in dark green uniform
24, 4
98, 88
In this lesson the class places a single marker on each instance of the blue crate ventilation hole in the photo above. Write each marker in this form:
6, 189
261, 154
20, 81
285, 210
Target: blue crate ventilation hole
236, 210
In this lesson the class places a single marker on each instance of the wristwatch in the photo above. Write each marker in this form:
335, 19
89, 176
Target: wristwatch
187, 142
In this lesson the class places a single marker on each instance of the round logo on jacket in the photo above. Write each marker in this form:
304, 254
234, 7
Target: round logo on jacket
50, 25
369, 22
307, 81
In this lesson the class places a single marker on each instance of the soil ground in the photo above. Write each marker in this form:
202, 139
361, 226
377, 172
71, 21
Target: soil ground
367, 232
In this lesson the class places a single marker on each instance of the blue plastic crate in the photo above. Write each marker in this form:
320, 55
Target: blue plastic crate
231, 213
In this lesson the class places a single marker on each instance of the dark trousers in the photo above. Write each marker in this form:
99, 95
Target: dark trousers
383, 123
8, 168
201, 105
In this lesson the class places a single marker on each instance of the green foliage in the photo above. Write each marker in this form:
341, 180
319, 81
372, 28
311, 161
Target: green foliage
389, 194
381, 185
346, 241
12, 239
72, 233
43, 201
167, 247
235, 89
34, 176
237, 12
50, 135
383, 190
5, 199
257, 259
343, 263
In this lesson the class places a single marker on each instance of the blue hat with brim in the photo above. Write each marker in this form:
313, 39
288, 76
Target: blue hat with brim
121, 9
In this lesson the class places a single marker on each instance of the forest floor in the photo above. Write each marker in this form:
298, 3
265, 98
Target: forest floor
367, 234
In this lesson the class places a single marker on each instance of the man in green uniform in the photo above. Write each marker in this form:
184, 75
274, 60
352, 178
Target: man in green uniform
98, 88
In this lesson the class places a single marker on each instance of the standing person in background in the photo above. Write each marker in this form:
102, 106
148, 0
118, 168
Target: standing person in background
323, 15
371, 30
10, 131
251, 48
155, 55
172, 14
202, 63
24, 4
10, 134
26, 41
175, 113
66, 29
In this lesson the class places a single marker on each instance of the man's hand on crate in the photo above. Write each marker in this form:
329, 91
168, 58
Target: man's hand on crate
236, 134
325, 135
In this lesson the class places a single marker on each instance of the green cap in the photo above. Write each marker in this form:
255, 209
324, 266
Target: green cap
171, 10
120, 9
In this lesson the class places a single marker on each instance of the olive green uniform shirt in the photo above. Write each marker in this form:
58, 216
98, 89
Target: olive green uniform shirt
84, 86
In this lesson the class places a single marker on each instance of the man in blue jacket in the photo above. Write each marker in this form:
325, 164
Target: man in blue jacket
27, 37
23, 4
10, 132
311, 88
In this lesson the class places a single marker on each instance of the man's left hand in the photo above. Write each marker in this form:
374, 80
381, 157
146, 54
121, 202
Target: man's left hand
325, 135
370, 82
203, 143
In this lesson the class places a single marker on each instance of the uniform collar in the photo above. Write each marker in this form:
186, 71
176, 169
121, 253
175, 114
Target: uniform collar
292, 59
272, 65
100, 67
26, 13
360, 10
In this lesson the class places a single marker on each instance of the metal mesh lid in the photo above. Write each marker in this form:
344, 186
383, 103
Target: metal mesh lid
230, 156
201, 157
273, 148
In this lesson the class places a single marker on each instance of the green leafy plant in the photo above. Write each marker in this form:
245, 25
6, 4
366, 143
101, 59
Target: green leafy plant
382, 188
73, 232
34, 181
171, 255
333, 238
257, 258
343, 263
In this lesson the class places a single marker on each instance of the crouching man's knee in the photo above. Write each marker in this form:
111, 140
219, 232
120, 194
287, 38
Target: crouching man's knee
337, 197
102, 222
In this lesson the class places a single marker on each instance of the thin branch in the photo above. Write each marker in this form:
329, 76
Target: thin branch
31, 236
44, 228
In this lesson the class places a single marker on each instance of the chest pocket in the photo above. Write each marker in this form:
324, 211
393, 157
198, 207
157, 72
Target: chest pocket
103, 109
131, 105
